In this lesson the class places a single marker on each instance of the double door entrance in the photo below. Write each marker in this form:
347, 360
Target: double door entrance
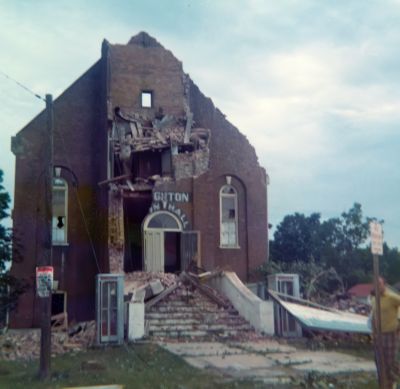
166, 247
156, 241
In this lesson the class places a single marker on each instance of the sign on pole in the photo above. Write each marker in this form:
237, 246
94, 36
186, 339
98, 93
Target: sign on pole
44, 280
376, 231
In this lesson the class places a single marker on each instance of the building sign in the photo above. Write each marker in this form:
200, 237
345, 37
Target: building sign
172, 197
376, 231
44, 280
169, 207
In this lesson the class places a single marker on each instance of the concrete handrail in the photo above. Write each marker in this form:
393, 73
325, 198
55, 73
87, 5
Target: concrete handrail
259, 313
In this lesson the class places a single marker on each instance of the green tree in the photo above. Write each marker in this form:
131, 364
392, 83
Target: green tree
5, 239
297, 239
390, 264
305, 245
10, 287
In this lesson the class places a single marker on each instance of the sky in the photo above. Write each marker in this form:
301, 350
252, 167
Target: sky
314, 85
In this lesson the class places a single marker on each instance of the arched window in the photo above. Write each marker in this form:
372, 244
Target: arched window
228, 217
163, 220
60, 211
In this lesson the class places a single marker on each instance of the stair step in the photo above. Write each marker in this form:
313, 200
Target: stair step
188, 314
195, 318
171, 315
178, 334
196, 327
193, 303
172, 321
195, 333
178, 308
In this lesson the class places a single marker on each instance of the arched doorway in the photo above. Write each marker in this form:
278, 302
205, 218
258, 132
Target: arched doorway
161, 246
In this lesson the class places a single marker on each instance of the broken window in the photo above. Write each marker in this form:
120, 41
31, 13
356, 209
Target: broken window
228, 217
59, 211
147, 99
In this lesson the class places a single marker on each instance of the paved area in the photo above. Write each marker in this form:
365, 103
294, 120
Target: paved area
266, 360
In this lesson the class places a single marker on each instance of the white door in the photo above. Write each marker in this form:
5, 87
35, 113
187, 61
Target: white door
154, 250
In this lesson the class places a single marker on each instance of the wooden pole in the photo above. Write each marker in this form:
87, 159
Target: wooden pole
378, 325
45, 302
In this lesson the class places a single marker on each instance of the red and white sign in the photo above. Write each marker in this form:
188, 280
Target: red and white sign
376, 231
44, 280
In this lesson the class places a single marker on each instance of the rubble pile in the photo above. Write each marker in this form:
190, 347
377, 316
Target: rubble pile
142, 286
176, 139
345, 303
140, 133
138, 278
352, 306
25, 344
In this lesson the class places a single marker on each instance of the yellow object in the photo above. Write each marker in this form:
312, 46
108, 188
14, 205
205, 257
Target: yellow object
390, 303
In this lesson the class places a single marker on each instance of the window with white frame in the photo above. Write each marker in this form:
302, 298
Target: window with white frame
228, 217
60, 214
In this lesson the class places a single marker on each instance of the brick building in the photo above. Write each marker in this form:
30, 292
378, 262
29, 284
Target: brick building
149, 176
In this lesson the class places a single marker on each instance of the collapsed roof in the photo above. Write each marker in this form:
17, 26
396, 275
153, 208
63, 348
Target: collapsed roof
186, 147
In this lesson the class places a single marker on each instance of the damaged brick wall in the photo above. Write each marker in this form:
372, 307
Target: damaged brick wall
136, 67
116, 231
141, 66
187, 165
78, 134
231, 154
205, 151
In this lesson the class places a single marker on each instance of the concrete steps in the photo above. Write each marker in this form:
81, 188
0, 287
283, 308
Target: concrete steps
188, 314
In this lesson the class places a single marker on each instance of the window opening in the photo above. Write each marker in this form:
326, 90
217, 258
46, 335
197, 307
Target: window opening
59, 211
228, 217
147, 99
163, 220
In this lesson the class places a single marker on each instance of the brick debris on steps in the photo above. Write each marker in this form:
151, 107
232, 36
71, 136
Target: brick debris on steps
187, 314
184, 314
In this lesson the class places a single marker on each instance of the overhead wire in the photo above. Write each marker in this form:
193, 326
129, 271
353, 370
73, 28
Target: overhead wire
22, 86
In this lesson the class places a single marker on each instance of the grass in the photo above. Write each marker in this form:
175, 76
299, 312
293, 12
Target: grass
146, 366
134, 366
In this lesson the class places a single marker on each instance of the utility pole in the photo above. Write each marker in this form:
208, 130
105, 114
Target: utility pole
46, 260
378, 323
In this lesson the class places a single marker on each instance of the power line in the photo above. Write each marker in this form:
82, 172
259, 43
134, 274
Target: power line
22, 86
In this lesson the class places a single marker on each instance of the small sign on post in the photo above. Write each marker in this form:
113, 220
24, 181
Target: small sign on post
376, 231
44, 280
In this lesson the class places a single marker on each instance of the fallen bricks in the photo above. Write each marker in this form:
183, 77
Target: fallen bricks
25, 343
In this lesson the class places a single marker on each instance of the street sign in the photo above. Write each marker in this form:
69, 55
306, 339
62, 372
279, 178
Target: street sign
376, 232
44, 280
